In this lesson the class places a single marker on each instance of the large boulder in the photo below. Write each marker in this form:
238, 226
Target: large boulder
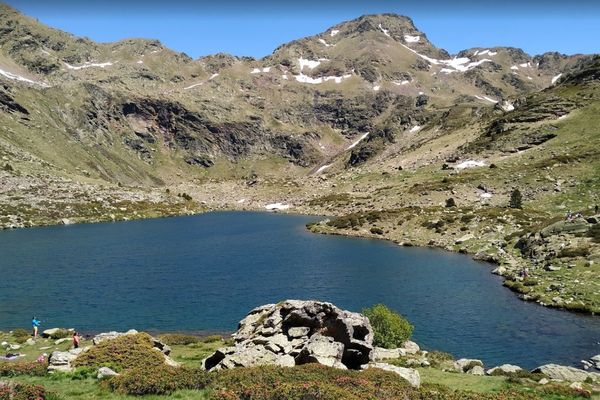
504, 369
296, 332
410, 375
61, 360
569, 374
466, 364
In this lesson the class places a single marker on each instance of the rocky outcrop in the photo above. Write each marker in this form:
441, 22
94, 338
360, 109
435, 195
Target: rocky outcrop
61, 360
569, 374
297, 332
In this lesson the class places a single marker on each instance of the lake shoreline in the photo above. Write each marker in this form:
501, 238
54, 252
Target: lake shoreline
511, 262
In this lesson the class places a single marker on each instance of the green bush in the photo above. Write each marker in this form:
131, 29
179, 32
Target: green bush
390, 328
173, 339
317, 382
21, 391
376, 231
31, 368
516, 199
61, 334
21, 335
159, 380
212, 339
122, 353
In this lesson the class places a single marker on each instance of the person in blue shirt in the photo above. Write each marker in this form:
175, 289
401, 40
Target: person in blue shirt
35, 323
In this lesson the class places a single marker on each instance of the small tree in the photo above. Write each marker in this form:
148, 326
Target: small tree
390, 328
450, 202
516, 199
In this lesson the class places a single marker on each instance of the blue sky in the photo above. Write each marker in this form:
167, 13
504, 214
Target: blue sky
256, 28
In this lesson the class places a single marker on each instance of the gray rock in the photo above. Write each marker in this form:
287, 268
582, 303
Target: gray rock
29, 342
323, 350
379, 353
410, 347
298, 331
105, 372
476, 370
61, 360
505, 368
569, 374
59, 341
305, 331
410, 375
465, 364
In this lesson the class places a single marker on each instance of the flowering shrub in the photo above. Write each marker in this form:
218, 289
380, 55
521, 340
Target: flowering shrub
19, 391
32, 368
161, 380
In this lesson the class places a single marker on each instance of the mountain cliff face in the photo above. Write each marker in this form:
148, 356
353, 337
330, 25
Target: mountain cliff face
367, 121
138, 102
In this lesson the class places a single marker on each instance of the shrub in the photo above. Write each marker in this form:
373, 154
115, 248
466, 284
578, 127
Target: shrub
21, 335
212, 339
8, 168
160, 380
173, 339
31, 368
437, 358
376, 231
21, 391
317, 382
61, 334
390, 328
450, 202
516, 199
124, 352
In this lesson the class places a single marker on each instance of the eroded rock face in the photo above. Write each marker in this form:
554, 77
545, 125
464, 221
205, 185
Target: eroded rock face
297, 332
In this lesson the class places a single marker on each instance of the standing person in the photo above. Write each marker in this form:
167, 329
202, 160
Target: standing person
35, 323
76, 339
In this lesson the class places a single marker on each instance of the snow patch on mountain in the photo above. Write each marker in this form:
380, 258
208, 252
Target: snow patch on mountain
376, 88
385, 31
507, 106
411, 39
360, 139
514, 67
323, 168
470, 164
20, 78
334, 32
400, 83
461, 64
486, 51
311, 64
308, 79
557, 77
89, 64
415, 128
277, 206
322, 41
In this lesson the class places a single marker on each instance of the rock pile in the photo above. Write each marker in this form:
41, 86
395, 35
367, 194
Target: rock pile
297, 332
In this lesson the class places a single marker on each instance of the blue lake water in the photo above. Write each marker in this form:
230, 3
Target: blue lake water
204, 273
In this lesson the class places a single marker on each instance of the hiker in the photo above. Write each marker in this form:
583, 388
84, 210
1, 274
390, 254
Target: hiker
35, 324
76, 339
